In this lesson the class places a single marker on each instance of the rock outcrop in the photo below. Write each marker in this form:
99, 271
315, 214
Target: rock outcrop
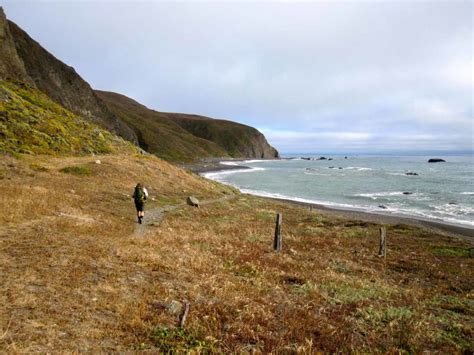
436, 160
11, 66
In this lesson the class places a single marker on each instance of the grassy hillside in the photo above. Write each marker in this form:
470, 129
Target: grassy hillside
237, 139
78, 274
181, 137
157, 133
30, 122
56, 79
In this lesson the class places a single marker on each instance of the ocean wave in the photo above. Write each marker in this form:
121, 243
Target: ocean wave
316, 174
374, 195
258, 161
389, 210
231, 163
442, 217
467, 193
298, 199
242, 162
358, 168
214, 175
454, 209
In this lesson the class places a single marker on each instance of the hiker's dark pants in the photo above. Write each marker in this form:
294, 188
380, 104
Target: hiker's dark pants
140, 205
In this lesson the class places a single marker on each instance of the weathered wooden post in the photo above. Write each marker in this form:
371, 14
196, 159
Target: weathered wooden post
182, 320
383, 242
310, 208
277, 241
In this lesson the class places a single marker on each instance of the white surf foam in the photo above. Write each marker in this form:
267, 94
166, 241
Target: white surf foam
358, 168
231, 163
215, 175
374, 195
298, 199
258, 161
316, 174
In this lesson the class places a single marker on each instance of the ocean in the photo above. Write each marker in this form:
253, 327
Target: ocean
376, 184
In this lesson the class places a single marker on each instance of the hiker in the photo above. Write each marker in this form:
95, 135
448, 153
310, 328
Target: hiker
139, 196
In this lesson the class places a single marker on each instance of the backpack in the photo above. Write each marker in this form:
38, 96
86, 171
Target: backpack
139, 195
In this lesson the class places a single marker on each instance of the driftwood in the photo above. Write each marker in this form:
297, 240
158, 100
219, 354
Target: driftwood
277, 242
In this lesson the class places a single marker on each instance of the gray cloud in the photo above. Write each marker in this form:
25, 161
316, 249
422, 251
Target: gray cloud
313, 76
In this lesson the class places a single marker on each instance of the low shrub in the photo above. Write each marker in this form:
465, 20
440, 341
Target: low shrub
79, 170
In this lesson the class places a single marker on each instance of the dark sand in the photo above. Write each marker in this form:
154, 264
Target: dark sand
213, 165
383, 218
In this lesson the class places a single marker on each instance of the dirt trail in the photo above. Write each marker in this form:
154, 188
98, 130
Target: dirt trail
154, 217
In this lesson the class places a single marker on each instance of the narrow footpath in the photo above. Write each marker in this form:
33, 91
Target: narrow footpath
155, 216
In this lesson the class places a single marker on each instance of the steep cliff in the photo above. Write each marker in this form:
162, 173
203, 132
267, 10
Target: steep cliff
172, 136
11, 66
176, 136
237, 139
23, 59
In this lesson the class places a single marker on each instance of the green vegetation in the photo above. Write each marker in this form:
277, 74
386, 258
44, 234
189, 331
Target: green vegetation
31, 123
157, 132
453, 251
171, 340
185, 138
79, 170
38, 167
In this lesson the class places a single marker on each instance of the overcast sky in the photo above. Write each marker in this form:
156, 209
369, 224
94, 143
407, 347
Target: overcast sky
370, 76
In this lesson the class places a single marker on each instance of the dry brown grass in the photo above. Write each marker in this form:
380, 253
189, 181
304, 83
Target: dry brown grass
81, 280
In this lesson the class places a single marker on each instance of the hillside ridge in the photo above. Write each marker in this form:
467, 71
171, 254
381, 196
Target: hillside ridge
222, 137
171, 136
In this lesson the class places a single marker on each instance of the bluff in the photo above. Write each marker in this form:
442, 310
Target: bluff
22, 59
172, 136
184, 137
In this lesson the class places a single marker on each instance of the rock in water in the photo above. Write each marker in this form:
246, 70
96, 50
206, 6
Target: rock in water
192, 201
436, 160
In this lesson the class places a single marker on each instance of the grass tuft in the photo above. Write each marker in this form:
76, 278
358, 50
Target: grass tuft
171, 340
79, 170
453, 251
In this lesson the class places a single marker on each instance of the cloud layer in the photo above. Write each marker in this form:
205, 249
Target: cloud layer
319, 76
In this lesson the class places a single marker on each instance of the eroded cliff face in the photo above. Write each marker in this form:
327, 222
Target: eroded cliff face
23, 59
237, 139
11, 66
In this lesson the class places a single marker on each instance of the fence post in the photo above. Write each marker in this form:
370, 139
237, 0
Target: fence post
184, 315
383, 242
277, 241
